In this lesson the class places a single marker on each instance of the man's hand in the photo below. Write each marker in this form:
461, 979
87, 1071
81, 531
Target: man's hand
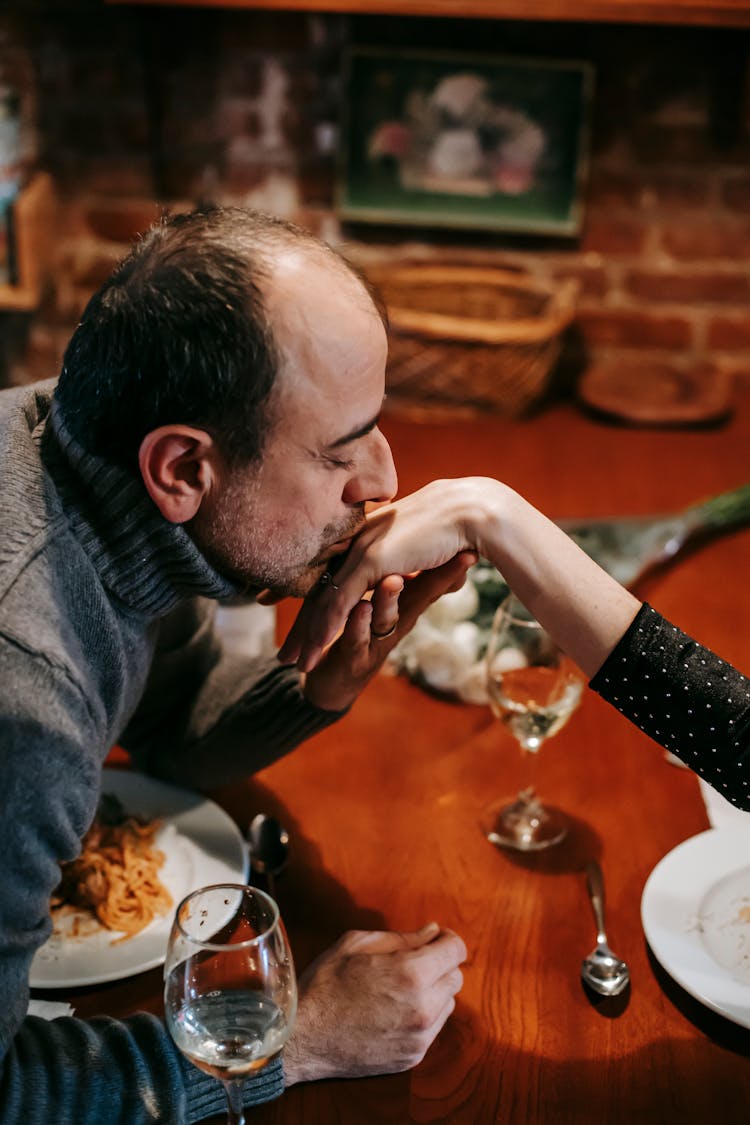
367, 638
373, 1003
420, 532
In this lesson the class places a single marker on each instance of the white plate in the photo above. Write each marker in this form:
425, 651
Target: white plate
695, 911
202, 845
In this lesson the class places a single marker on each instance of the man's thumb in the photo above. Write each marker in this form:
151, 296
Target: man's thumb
415, 939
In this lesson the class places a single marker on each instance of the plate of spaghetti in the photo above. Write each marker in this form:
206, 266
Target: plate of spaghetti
150, 845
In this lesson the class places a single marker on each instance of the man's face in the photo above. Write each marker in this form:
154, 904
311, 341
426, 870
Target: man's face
278, 523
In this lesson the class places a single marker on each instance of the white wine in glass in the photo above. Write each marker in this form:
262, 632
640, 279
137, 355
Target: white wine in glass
533, 688
230, 991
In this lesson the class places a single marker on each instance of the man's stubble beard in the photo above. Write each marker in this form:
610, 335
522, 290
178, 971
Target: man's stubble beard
257, 558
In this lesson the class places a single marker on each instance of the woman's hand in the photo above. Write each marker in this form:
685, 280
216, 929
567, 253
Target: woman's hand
584, 609
422, 532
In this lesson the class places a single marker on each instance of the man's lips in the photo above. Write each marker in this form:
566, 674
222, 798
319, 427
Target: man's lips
342, 545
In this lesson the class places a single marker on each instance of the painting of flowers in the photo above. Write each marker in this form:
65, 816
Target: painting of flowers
464, 141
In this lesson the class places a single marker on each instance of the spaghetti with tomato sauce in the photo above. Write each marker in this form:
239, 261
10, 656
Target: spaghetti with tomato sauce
115, 879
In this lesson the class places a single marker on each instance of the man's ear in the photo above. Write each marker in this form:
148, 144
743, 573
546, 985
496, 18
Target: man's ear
178, 465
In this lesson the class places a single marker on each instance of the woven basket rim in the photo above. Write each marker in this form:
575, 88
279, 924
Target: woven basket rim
432, 272
558, 313
527, 330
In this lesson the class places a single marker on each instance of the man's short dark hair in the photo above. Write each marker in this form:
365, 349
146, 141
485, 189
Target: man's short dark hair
179, 334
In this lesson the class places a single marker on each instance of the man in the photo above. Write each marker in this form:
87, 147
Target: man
214, 431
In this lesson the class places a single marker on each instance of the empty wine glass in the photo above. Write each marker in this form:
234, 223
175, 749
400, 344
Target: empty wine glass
230, 992
533, 688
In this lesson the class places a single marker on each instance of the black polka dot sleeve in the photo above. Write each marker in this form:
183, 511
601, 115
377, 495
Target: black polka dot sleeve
686, 698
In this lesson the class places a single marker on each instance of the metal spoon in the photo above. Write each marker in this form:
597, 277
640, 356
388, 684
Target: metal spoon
268, 846
602, 970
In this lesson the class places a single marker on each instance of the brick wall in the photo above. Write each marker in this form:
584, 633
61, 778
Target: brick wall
140, 109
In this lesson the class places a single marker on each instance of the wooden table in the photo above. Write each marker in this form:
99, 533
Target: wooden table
382, 810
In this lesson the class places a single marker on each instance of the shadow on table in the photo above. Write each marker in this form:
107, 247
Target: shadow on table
580, 845
718, 1028
467, 1080
608, 1007
335, 911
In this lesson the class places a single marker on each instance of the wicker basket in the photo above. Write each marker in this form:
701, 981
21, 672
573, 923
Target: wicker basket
471, 335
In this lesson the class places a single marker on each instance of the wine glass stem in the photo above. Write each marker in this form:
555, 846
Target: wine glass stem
530, 771
236, 1113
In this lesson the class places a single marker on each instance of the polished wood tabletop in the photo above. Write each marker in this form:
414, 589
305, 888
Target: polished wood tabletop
383, 811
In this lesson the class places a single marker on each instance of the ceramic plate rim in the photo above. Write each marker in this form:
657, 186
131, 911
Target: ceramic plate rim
672, 896
212, 837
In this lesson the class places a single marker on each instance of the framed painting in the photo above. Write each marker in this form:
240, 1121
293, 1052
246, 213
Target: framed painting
472, 141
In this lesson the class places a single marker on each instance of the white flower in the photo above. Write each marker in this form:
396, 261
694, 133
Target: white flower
508, 660
465, 638
439, 662
456, 154
459, 94
472, 686
445, 649
459, 605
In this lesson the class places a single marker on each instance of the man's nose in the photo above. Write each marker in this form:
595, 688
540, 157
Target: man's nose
376, 480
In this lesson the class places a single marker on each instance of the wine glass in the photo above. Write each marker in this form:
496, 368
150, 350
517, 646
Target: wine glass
230, 992
533, 688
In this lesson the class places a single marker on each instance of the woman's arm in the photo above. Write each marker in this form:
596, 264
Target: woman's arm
579, 603
678, 692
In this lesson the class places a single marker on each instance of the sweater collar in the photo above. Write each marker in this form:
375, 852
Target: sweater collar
145, 561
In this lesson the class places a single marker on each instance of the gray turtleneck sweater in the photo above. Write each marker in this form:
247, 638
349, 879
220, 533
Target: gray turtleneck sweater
105, 636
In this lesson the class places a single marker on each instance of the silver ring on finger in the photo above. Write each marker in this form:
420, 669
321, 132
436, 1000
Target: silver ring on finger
388, 632
326, 579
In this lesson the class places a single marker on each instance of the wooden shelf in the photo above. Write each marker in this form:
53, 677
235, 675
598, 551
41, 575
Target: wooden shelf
720, 13
33, 222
